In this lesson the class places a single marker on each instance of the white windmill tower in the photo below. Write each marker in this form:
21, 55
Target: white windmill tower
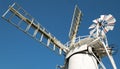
83, 52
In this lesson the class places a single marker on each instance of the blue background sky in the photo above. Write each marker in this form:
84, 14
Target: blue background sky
19, 51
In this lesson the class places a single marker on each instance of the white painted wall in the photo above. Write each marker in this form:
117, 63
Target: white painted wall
82, 61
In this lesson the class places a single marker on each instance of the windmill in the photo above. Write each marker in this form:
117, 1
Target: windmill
79, 51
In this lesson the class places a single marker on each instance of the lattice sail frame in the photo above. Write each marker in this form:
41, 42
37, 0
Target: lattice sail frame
18, 17
76, 19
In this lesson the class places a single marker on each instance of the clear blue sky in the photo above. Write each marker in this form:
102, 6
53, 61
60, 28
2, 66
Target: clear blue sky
19, 51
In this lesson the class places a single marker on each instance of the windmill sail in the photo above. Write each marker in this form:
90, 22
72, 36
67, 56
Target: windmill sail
75, 24
18, 17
